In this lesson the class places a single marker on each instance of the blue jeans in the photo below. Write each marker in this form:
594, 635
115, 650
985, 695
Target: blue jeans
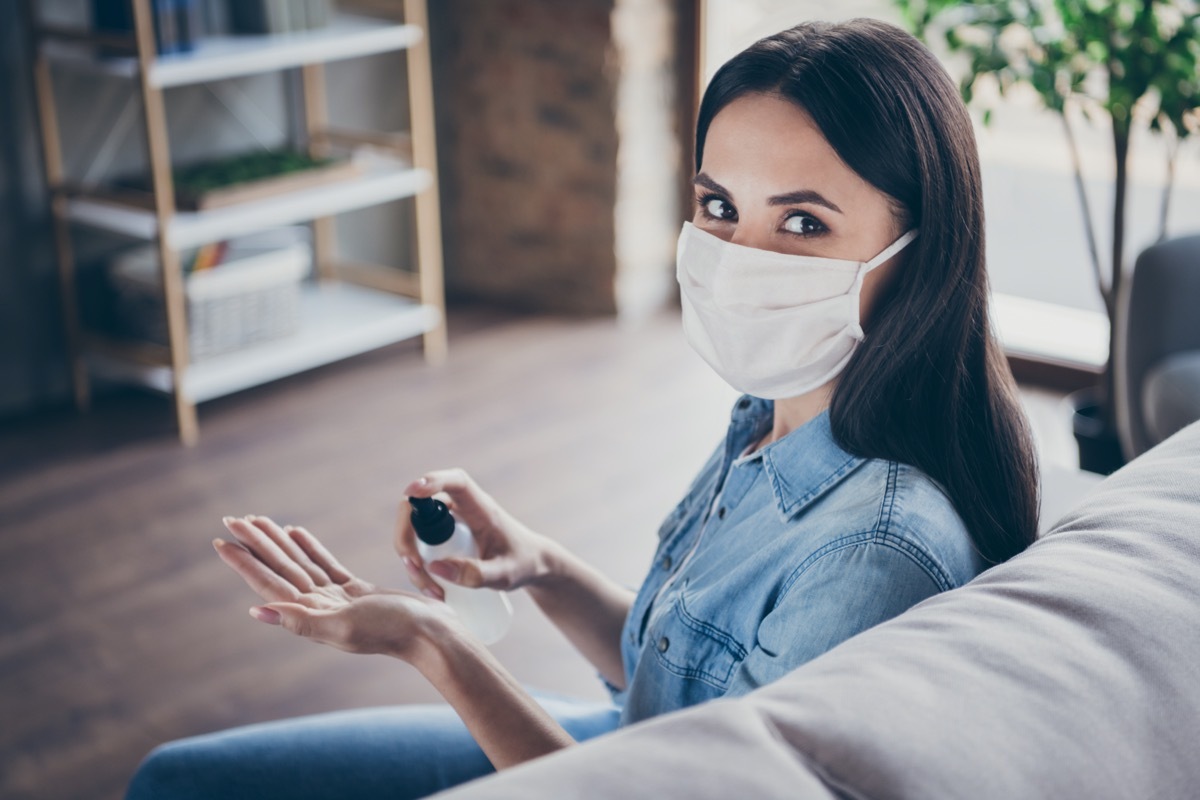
391, 752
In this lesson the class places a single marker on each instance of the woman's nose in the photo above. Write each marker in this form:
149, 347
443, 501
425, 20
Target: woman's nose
751, 234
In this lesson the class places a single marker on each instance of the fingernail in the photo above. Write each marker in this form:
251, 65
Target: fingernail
268, 615
444, 570
226, 521
218, 542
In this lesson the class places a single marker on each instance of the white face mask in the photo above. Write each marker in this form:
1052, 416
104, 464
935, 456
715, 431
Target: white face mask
772, 325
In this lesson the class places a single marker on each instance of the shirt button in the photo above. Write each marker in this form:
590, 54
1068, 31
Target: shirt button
721, 512
663, 644
666, 562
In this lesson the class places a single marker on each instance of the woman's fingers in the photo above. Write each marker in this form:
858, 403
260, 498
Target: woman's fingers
321, 556
267, 615
406, 546
293, 551
317, 625
492, 573
261, 578
267, 551
405, 540
457, 485
422, 581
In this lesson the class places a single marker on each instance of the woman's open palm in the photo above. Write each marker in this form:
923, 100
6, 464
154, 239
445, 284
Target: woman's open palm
311, 594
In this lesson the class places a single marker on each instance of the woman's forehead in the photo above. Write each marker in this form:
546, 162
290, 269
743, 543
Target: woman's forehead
772, 146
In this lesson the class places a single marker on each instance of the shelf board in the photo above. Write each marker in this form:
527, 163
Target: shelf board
379, 182
337, 320
219, 57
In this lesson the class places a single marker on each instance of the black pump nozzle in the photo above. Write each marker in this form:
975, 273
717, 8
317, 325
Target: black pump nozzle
431, 520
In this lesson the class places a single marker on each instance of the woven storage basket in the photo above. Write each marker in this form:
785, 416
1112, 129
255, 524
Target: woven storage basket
252, 297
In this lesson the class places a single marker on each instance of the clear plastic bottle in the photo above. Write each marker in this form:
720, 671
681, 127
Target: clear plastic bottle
485, 612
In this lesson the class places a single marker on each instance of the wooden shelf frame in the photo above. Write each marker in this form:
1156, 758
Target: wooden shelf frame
352, 307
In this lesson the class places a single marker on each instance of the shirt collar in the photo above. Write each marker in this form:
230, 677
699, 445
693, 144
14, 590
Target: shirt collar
801, 466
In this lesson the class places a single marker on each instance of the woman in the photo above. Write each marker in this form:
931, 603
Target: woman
834, 272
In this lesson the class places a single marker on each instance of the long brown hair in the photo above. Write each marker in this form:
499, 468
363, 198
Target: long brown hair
929, 385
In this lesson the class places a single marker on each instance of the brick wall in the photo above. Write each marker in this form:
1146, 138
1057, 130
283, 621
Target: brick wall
527, 95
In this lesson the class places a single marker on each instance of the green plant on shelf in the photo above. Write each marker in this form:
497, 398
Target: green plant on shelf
196, 184
199, 178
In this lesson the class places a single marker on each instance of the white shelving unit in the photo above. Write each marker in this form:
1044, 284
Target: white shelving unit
350, 308
218, 57
379, 183
338, 320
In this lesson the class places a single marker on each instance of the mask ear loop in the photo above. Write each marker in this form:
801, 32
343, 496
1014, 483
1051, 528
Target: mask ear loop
856, 330
888, 252
892, 249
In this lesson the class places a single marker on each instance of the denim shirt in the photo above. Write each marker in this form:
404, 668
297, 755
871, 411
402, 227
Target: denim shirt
773, 558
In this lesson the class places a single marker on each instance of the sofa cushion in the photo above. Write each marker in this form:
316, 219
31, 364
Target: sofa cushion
1073, 670
1171, 395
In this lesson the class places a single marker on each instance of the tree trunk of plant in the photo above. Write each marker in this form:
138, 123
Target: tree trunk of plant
1121, 129
1165, 210
1085, 207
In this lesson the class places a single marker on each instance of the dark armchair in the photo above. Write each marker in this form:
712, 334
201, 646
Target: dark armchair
1157, 362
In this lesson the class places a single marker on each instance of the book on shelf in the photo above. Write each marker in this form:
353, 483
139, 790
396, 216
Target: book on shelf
112, 15
215, 15
189, 24
179, 25
166, 32
207, 256
257, 17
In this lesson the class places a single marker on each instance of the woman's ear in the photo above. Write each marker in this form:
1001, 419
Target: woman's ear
878, 287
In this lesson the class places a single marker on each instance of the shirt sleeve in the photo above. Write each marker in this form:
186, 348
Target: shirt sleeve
841, 593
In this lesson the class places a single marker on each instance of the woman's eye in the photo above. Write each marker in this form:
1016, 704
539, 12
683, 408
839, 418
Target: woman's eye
803, 224
717, 208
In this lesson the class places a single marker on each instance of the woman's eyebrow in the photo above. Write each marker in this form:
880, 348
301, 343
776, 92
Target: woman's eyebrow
791, 198
802, 196
702, 179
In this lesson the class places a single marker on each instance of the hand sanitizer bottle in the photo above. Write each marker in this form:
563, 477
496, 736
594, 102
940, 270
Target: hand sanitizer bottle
486, 613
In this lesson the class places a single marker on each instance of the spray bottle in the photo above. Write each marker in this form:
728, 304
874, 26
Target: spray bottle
485, 612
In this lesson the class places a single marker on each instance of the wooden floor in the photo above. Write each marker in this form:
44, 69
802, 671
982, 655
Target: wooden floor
121, 629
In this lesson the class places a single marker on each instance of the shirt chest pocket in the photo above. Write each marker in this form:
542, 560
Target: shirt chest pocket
689, 647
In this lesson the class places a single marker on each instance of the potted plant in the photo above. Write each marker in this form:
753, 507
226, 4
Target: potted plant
1127, 64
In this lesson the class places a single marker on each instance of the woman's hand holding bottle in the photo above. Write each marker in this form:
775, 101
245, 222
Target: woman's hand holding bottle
585, 605
510, 554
